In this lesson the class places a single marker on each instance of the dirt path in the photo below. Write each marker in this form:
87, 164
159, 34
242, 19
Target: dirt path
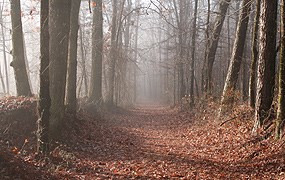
155, 142
147, 142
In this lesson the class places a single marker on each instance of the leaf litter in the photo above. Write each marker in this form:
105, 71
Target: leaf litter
146, 142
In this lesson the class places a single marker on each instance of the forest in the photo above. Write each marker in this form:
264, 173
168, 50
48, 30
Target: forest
142, 89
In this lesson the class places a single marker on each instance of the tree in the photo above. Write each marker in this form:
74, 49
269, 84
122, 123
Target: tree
4, 49
71, 102
113, 54
236, 59
95, 92
136, 51
210, 57
44, 96
254, 56
281, 92
193, 47
207, 43
18, 63
266, 61
181, 21
59, 25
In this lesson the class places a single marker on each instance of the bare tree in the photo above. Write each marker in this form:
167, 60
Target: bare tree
193, 47
71, 102
95, 92
210, 58
281, 92
254, 56
236, 59
59, 25
44, 96
266, 61
18, 63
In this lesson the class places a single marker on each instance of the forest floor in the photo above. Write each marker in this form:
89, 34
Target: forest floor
146, 142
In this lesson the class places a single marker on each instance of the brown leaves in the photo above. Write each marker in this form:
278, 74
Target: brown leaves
156, 143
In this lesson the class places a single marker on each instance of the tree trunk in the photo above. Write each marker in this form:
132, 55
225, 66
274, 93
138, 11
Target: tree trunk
71, 102
266, 61
204, 68
95, 92
236, 59
83, 59
210, 58
193, 47
113, 54
44, 96
59, 25
136, 52
2, 81
254, 56
4, 51
281, 92
18, 63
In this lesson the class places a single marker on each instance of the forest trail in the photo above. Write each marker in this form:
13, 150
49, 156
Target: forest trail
147, 142
156, 142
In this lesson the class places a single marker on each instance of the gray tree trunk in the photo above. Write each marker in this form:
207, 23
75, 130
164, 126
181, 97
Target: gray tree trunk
210, 58
236, 59
193, 48
44, 96
95, 92
254, 56
59, 25
4, 51
266, 61
113, 54
71, 102
281, 93
207, 33
18, 63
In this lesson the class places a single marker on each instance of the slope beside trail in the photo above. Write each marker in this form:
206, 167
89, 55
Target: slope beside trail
146, 142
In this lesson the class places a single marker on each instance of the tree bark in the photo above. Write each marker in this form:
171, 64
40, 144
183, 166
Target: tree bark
210, 58
236, 59
44, 96
95, 92
113, 50
254, 56
4, 51
266, 61
193, 48
18, 63
83, 64
281, 92
59, 25
71, 102
207, 33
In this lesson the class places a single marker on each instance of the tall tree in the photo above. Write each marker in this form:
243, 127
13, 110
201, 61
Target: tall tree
95, 92
193, 47
237, 55
59, 25
113, 54
71, 102
210, 57
44, 96
4, 49
281, 92
181, 14
136, 51
254, 56
207, 43
18, 63
266, 61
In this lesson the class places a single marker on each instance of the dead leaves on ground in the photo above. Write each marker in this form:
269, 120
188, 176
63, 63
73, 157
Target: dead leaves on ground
146, 143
